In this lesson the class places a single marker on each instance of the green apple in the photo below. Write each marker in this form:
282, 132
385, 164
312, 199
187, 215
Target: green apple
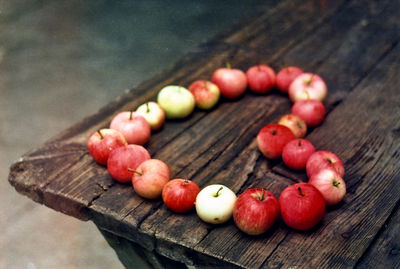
177, 101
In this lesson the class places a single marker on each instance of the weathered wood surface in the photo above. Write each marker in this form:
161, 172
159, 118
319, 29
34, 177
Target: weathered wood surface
353, 45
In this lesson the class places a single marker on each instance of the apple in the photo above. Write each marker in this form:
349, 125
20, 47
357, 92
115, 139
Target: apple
286, 76
311, 111
214, 204
206, 94
153, 114
272, 138
307, 86
179, 195
102, 142
133, 127
296, 153
255, 211
149, 178
261, 78
330, 184
231, 82
324, 159
296, 124
302, 206
177, 101
122, 158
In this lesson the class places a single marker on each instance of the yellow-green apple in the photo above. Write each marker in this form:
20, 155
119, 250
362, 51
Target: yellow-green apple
124, 158
324, 159
296, 153
255, 211
286, 76
150, 177
206, 94
102, 142
272, 138
261, 78
307, 86
177, 101
296, 124
311, 111
330, 184
302, 206
133, 127
180, 194
231, 82
153, 114
214, 204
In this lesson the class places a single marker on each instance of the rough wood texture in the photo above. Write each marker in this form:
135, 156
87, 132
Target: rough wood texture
353, 45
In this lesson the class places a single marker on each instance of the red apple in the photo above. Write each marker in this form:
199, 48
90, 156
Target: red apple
272, 138
330, 184
261, 78
255, 211
302, 206
307, 86
101, 143
296, 124
149, 178
311, 111
323, 159
179, 195
286, 76
231, 82
133, 126
153, 114
122, 158
296, 153
206, 94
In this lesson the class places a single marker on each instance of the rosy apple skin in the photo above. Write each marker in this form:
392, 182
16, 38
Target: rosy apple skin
307, 86
214, 204
179, 195
102, 142
261, 78
330, 184
123, 158
231, 82
272, 138
311, 111
176, 101
133, 127
296, 124
296, 153
255, 211
302, 206
153, 114
206, 94
324, 159
150, 177
286, 76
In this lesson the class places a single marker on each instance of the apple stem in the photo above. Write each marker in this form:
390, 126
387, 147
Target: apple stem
308, 82
299, 143
147, 107
336, 183
101, 135
228, 65
134, 171
273, 132
217, 194
205, 84
301, 193
131, 115
261, 198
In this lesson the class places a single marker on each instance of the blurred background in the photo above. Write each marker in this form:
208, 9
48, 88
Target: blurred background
61, 61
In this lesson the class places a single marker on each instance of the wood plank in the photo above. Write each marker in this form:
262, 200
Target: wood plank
369, 144
385, 250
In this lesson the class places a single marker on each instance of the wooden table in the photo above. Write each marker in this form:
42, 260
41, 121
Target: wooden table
354, 46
